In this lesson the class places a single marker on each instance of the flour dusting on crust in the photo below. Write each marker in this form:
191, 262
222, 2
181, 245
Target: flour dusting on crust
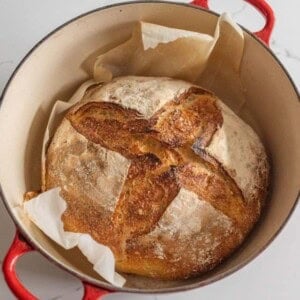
193, 223
144, 94
95, 172
184, 216
238, 148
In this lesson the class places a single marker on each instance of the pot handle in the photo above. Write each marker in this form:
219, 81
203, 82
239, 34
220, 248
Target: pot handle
91, 292
263, 7
18, 248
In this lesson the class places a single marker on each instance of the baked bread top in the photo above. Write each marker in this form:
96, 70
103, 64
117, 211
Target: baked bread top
159, 170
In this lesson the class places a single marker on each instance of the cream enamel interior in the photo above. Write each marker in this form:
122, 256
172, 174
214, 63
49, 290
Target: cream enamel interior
63, 60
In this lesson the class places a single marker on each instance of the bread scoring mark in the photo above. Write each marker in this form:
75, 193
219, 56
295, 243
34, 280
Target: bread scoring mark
186, 118
168, 136
211, 185
147, 192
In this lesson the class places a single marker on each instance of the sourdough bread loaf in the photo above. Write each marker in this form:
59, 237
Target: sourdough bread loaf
159, 170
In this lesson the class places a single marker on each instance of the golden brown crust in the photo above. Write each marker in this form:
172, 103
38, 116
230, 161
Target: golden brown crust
163, 161
194, 115
147, 192
182, 257
29, 195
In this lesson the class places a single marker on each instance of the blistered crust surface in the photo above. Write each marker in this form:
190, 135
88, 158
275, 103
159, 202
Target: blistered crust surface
159, 184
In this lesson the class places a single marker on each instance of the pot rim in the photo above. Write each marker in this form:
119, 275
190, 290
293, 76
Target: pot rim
104, 284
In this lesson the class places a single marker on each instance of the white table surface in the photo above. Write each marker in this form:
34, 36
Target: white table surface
275, 274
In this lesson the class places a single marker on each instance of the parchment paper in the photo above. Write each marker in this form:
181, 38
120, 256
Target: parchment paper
46, 210
212, 62
153, 50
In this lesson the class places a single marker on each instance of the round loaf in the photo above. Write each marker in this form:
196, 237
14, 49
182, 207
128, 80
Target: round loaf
159, 170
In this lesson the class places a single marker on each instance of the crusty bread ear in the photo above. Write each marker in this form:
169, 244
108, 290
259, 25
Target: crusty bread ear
147, 186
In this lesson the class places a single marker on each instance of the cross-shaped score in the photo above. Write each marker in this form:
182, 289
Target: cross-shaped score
167, 153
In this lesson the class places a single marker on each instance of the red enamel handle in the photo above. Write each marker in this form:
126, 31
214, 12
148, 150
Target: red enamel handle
263, 7
18, 248
91, 292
